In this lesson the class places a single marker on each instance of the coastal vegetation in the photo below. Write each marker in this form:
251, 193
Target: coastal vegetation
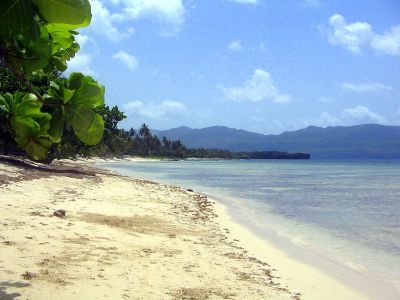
38, 106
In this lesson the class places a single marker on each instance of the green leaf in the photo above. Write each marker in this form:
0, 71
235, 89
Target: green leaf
37, 149
18, 17
93, 134
79, 116
56, 125
8, 101
30, 125
4, 107
88, 94
37, 53
68, 14
74, 81
68, 95
59, 63
61, 38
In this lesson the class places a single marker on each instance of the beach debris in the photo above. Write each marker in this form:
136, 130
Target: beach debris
28, 275
60, 213
9, 243
36, 213
296, 296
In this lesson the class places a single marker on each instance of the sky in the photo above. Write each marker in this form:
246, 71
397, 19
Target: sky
266, 66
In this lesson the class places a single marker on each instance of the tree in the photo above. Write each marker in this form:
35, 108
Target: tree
111, 117
132, 133
144, 131
37, 38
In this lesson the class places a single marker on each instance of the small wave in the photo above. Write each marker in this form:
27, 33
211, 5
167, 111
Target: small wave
278, 189
300, 241
297, 240
396, 284
355, 266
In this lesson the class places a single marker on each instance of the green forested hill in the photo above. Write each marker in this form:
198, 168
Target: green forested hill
360, 141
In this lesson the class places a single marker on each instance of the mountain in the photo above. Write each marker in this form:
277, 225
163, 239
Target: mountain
359, 141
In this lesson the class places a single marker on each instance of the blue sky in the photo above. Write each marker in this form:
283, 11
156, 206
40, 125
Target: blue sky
261, 65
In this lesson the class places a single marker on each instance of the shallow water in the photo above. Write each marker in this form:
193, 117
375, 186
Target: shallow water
346, 211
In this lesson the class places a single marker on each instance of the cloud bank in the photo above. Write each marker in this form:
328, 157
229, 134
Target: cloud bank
358, 35
164, 110
259, 87
107, 22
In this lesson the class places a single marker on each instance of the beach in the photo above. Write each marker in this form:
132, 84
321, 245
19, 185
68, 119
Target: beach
128, 238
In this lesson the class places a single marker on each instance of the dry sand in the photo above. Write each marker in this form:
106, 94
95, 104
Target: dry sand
125, 238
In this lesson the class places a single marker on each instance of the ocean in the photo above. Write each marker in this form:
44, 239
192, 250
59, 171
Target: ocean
345, 211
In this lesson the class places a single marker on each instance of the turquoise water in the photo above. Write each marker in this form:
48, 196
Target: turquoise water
347, 211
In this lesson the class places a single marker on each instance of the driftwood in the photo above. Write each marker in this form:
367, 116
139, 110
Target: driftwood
23, 162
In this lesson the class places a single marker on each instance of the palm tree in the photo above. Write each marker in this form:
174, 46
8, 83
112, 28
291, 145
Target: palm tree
144, 131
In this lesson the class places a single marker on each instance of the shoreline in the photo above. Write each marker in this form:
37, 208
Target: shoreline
332, 275
225, 253
368, 285
321, 273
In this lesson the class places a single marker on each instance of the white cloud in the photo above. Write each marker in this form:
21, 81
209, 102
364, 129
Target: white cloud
362, 114
349, 116
81, 39
355, 36
246, 1
352, 36
324, 120
103, 23
389, 42
127, 59
259, 87
367, 87
106, 21
235, 46
158, 111
171, 13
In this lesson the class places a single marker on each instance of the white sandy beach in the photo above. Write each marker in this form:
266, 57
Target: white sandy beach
125, 238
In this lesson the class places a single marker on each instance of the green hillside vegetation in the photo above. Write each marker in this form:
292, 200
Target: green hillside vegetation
359, 141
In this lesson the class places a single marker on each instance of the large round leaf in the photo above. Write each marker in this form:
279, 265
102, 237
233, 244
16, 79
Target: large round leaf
61, 38
93, 134
18, 17
37, 53
30, 126
69, 14
56, 125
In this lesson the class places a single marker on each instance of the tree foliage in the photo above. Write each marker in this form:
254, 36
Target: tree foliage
37, 106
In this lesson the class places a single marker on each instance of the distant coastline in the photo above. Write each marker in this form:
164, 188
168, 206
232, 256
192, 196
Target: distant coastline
369, 141
273, 155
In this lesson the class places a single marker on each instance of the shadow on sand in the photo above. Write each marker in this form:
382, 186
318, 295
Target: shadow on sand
5, 284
